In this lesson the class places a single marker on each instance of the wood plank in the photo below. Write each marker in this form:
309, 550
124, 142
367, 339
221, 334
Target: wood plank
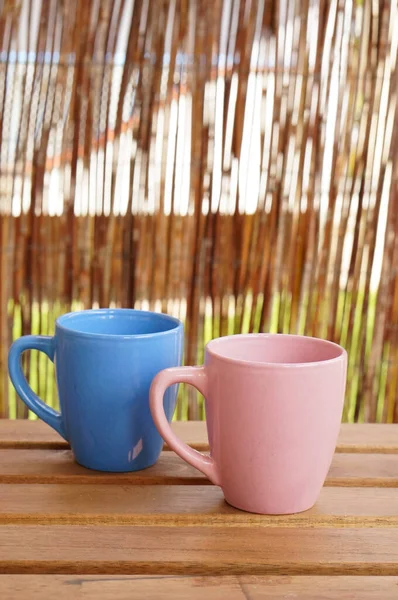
364, 470
58, 466
185, 505
369, 437
153, 587
134, 550
36, 434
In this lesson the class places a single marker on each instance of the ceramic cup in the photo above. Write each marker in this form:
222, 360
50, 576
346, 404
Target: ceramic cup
105, 361
273, 408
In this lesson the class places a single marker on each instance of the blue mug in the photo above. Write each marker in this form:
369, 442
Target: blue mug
105, 361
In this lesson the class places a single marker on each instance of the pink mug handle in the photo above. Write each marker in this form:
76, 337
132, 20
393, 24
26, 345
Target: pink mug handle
197, 377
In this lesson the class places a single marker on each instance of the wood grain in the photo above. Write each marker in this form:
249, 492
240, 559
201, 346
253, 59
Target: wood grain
365, 438
115, 550
58, 466
180, 506
153, 587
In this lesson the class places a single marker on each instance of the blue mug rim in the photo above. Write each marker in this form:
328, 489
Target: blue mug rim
61, 324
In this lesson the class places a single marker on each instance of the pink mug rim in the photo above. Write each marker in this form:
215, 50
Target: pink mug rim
211, 349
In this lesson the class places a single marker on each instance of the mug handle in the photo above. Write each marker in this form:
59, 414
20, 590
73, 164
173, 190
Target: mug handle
197, 377
45, 344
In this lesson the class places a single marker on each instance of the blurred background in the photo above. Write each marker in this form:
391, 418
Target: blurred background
230, 162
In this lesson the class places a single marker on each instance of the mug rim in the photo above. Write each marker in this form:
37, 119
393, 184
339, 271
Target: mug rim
60, 324
212, 345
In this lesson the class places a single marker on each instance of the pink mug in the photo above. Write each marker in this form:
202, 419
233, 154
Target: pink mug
273, 407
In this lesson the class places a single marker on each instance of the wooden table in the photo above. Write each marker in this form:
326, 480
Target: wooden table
67, 532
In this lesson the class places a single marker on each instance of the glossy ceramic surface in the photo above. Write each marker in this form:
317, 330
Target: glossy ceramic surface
273, 406
105, 361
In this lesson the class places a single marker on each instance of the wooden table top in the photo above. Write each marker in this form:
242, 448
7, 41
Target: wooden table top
166, 532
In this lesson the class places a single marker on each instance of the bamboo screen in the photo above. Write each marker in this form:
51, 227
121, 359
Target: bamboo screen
232, 162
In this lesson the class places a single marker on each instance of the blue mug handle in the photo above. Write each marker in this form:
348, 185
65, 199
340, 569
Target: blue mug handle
45, 344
